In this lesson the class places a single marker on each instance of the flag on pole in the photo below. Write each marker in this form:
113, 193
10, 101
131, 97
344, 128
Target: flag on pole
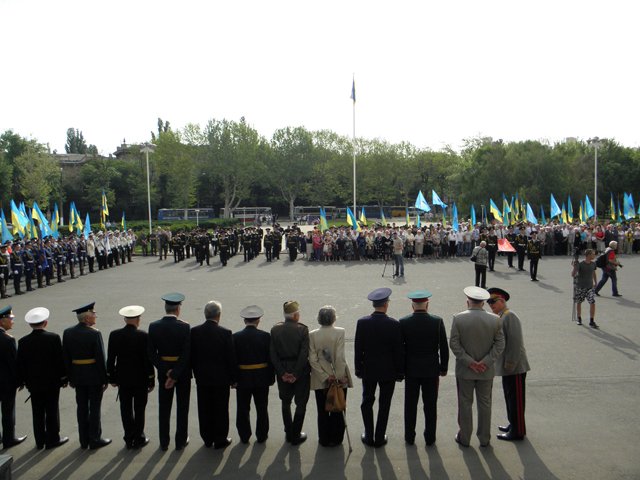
569, 210
517, 205
123, 223
32, 231
351, 219
418, 224
563, 217
530, 216
454, 214
37, 214
421, 203
544, 220
72, 217
555, 209
505, 210
435, 199
6, 234
382, 219
363, 217
588, 209
324, 225
79, 227
473, 215
619, 219
493, 208
353, 91
18, 220
104, 210
629, 209
581, 213
613, 208
87, 226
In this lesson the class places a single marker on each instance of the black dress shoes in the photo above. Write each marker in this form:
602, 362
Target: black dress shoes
62, 441
101, 442
367, 441
261, 439
224, 444
141, 442
509, 437
504, 428
301, 439
457, 439
182, 445
164, 448
12, 442
410, 440
381, 443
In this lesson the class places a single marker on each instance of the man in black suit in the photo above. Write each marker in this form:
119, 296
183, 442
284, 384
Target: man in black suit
379, 363
129, 369
213, 361
41, 368
169, 351
8, 379
426, 353
85, 359
254, 376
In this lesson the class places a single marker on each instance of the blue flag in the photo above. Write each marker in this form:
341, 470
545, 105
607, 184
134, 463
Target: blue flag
473, 215
555, 209
6, 234
530, 216
454, 214
435, 199
87, 227
544, 220
421, 203
589, 212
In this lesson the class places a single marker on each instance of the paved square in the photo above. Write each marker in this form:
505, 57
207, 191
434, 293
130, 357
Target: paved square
582, 393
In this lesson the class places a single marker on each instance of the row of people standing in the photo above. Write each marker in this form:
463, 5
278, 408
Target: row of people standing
37, 262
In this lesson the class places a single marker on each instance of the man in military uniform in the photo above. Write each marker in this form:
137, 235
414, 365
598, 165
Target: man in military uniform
41, 368
477, 342
59, 260
511, 238
426, 354
169, 351
290, 357
292, 245
129, 368
17, 267
521, 249
4, 270
85, 359
512, 366
268, 245
9, 381
379, 362
223, 244
492, 248
254, 376
533, 252
213, 361
29, 263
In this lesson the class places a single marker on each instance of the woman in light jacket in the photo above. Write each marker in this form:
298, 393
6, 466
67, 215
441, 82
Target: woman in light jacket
330, 340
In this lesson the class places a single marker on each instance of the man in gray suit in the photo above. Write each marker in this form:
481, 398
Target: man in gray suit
476, 341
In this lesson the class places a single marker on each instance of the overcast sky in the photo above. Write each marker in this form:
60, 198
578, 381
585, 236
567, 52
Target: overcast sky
430, 73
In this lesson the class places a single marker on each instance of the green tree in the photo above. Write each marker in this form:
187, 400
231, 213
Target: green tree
38, 177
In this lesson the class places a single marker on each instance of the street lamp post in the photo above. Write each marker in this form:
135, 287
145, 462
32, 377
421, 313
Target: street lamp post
197, 217
595, 143
147, 149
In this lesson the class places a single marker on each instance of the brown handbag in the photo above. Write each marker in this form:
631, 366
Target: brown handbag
336, 401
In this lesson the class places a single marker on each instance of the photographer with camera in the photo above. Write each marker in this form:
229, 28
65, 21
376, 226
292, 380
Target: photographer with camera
584, 274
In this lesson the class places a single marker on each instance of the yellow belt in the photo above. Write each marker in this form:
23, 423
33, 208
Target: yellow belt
169, 359
86, 361
254, 366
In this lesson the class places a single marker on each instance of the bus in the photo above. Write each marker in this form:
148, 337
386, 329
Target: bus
309, 215
186, 214
372, 212
257, 215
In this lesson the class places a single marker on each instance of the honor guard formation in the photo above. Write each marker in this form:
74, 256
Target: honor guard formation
249, 361
66, 257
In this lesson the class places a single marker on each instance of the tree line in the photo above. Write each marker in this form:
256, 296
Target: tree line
227, 163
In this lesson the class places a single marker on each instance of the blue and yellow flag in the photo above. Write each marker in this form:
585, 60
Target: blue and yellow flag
569, 210
104, 211
18, 220
324, 225
6, 234
351, 220
382, 219
363, 217
418, 224
613, 209
563, 216
493, 208
123, 223
407, 219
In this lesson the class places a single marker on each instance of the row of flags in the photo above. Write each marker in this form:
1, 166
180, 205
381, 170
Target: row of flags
509, 213
34, 224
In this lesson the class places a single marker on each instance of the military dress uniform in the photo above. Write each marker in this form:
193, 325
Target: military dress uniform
533, 252
254, 376
29, 263
379, 362
213, 362
42, 369
129, 367
86, 368
492, 249
289, 352
9, 381
4, 271
17, 267
426, 354
521, 250
169, 351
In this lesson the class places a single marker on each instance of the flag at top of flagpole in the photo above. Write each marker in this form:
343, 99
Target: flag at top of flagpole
353, 91
421, 203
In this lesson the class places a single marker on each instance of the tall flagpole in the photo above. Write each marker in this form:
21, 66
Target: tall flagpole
353, 96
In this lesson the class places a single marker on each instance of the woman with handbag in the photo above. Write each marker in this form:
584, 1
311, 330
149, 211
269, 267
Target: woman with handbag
328, 366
